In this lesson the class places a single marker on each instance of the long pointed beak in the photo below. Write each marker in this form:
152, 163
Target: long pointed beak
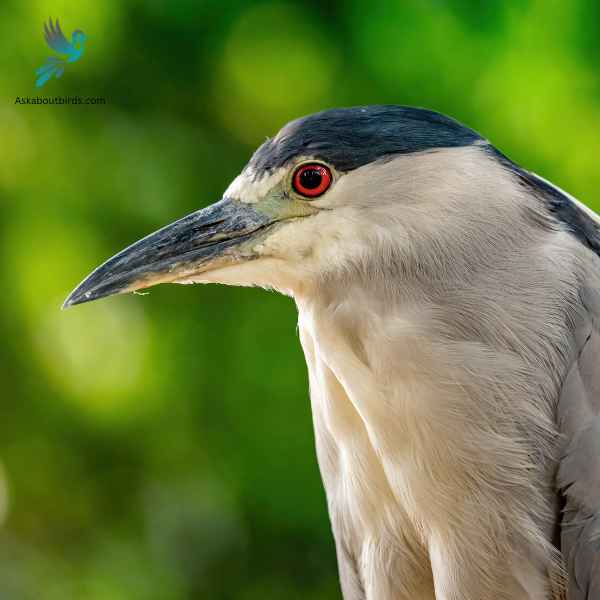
212, 237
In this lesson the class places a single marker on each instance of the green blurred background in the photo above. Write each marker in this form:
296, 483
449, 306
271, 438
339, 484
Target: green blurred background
161, 447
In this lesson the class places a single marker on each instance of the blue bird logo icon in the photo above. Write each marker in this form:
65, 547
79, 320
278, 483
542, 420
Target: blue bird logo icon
57, 41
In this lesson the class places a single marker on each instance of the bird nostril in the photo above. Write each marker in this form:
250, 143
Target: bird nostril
204, 227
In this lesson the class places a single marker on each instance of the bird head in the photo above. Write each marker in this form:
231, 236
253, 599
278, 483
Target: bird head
345, 188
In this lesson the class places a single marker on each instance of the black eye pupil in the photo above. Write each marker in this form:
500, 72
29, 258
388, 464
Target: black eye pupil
311, 178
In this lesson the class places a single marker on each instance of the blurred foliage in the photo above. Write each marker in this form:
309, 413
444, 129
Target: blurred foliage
161, 447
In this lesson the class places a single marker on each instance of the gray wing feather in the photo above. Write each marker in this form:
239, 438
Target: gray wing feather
579, 468
578, 410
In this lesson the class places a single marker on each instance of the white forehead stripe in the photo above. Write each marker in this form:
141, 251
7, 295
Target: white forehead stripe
245, 189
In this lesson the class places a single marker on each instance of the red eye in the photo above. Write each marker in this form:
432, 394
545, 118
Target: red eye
312, 180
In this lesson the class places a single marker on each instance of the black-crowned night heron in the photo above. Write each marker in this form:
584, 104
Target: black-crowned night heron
448, 310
